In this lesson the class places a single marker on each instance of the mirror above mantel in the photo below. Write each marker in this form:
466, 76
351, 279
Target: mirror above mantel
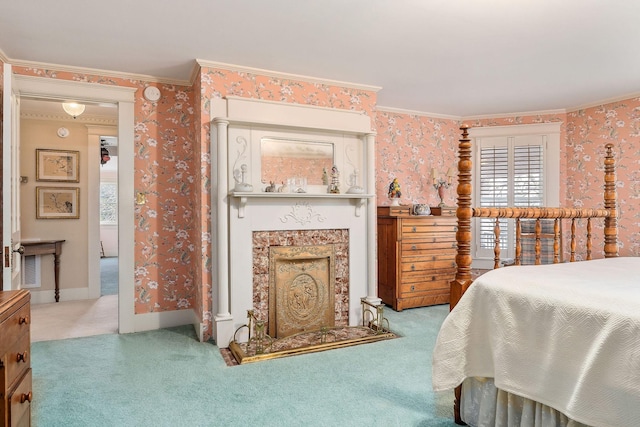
282, 160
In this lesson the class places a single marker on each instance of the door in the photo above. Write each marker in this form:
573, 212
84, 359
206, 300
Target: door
10, 183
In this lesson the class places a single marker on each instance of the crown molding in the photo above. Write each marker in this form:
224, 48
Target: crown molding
84, 119
288, 76
604, 102
521, 114
3, 57
97, 72
417, 113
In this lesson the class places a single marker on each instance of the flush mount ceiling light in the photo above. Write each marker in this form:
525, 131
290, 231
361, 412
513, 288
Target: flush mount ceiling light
73, 108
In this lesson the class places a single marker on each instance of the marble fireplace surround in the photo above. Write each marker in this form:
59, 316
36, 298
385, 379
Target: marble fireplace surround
286, 219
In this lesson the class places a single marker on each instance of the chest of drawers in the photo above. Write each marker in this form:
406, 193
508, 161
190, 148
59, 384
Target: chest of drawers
15, 358
416, 257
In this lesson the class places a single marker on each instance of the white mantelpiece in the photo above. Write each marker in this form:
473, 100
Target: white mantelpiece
238, 124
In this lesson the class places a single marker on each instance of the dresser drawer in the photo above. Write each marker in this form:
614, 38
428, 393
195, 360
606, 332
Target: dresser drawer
17, 360
410, 277
425, 230
432, 284
418, 247
14, 327
20, 402
435, 262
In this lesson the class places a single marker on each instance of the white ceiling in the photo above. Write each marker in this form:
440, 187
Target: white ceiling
452, 57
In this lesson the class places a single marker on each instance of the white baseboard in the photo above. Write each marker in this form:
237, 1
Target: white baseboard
48, 296
167, 319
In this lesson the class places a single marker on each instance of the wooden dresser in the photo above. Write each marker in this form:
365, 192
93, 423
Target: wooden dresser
416, 257
15, 358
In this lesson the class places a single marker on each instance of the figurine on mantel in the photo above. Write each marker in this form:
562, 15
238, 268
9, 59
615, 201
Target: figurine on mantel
239, 176
394, 192
271, 188
334, 187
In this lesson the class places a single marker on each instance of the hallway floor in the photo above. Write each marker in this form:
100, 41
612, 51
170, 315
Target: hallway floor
71, 319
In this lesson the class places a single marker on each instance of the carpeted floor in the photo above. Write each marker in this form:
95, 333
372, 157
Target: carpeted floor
109, 276
168, 378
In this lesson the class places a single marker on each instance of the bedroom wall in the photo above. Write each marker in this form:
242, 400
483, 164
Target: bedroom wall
588, 130
164, 227
408, 146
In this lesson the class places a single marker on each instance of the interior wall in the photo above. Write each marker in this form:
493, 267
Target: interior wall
165, 175
36, 134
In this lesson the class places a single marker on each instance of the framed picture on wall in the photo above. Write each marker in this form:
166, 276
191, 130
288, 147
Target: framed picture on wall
57, 202
57, 165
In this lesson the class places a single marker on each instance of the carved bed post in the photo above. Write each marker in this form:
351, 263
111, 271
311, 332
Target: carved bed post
463, 237
464, 213
610, 204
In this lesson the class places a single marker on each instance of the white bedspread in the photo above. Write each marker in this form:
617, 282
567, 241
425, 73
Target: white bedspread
566, 335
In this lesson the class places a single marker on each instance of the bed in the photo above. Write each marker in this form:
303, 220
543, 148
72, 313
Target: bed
542, 345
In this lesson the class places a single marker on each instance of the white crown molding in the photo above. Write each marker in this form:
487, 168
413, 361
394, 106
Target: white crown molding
85, 119
417, 113
605, 102
97, 72
521, 114
281, 75
3, 57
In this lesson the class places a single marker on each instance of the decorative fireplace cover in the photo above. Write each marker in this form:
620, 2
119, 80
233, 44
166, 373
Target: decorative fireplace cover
301, 289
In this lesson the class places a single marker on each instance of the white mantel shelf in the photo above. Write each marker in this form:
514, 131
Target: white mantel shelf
243, 198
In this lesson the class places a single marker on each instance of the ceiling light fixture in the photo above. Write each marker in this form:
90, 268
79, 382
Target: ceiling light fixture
73, 108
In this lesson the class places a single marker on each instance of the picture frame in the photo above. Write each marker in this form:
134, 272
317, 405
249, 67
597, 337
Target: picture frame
57, 202
57, 165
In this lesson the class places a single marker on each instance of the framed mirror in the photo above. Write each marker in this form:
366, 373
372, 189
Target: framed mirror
284, 159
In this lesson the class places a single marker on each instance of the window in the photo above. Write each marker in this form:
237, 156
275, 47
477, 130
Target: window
108, 203
518, 168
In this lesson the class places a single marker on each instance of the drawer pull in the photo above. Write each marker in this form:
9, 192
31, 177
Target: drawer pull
433, 258
26, 397
23, 320
22, 357
413, 267
413, 229
433, 278
414, 247
413, 288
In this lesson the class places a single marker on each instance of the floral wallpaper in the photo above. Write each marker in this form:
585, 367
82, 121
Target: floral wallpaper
408, 147
588, 131
165, 227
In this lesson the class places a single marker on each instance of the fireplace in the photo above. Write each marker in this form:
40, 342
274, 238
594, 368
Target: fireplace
253, 227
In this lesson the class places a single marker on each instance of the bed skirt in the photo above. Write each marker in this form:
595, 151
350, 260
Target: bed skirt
484, 405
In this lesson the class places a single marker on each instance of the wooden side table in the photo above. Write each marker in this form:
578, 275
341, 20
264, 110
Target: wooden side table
47, 247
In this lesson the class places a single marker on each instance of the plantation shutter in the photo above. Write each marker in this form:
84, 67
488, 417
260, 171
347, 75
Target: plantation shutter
511, 173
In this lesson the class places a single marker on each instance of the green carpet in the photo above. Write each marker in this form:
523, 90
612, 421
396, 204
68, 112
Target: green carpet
168, 378
109, 276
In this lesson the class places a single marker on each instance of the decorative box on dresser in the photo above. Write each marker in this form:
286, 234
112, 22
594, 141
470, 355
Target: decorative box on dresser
416, 256
15, 358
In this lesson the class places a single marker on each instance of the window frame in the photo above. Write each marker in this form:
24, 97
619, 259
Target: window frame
550, 134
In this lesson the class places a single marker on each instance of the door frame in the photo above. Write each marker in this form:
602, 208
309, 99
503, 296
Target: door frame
124, 98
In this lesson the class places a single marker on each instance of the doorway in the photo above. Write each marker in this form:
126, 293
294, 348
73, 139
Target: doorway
123, 98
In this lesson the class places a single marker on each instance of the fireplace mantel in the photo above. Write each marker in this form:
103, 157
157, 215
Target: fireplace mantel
244, 197
236, 128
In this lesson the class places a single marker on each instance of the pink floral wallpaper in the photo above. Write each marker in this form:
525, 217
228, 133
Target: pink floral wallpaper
588, 131
165, 227
408, 147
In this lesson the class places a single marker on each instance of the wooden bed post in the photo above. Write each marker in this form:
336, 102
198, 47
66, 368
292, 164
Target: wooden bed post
464, 213
610, 204
463, 237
